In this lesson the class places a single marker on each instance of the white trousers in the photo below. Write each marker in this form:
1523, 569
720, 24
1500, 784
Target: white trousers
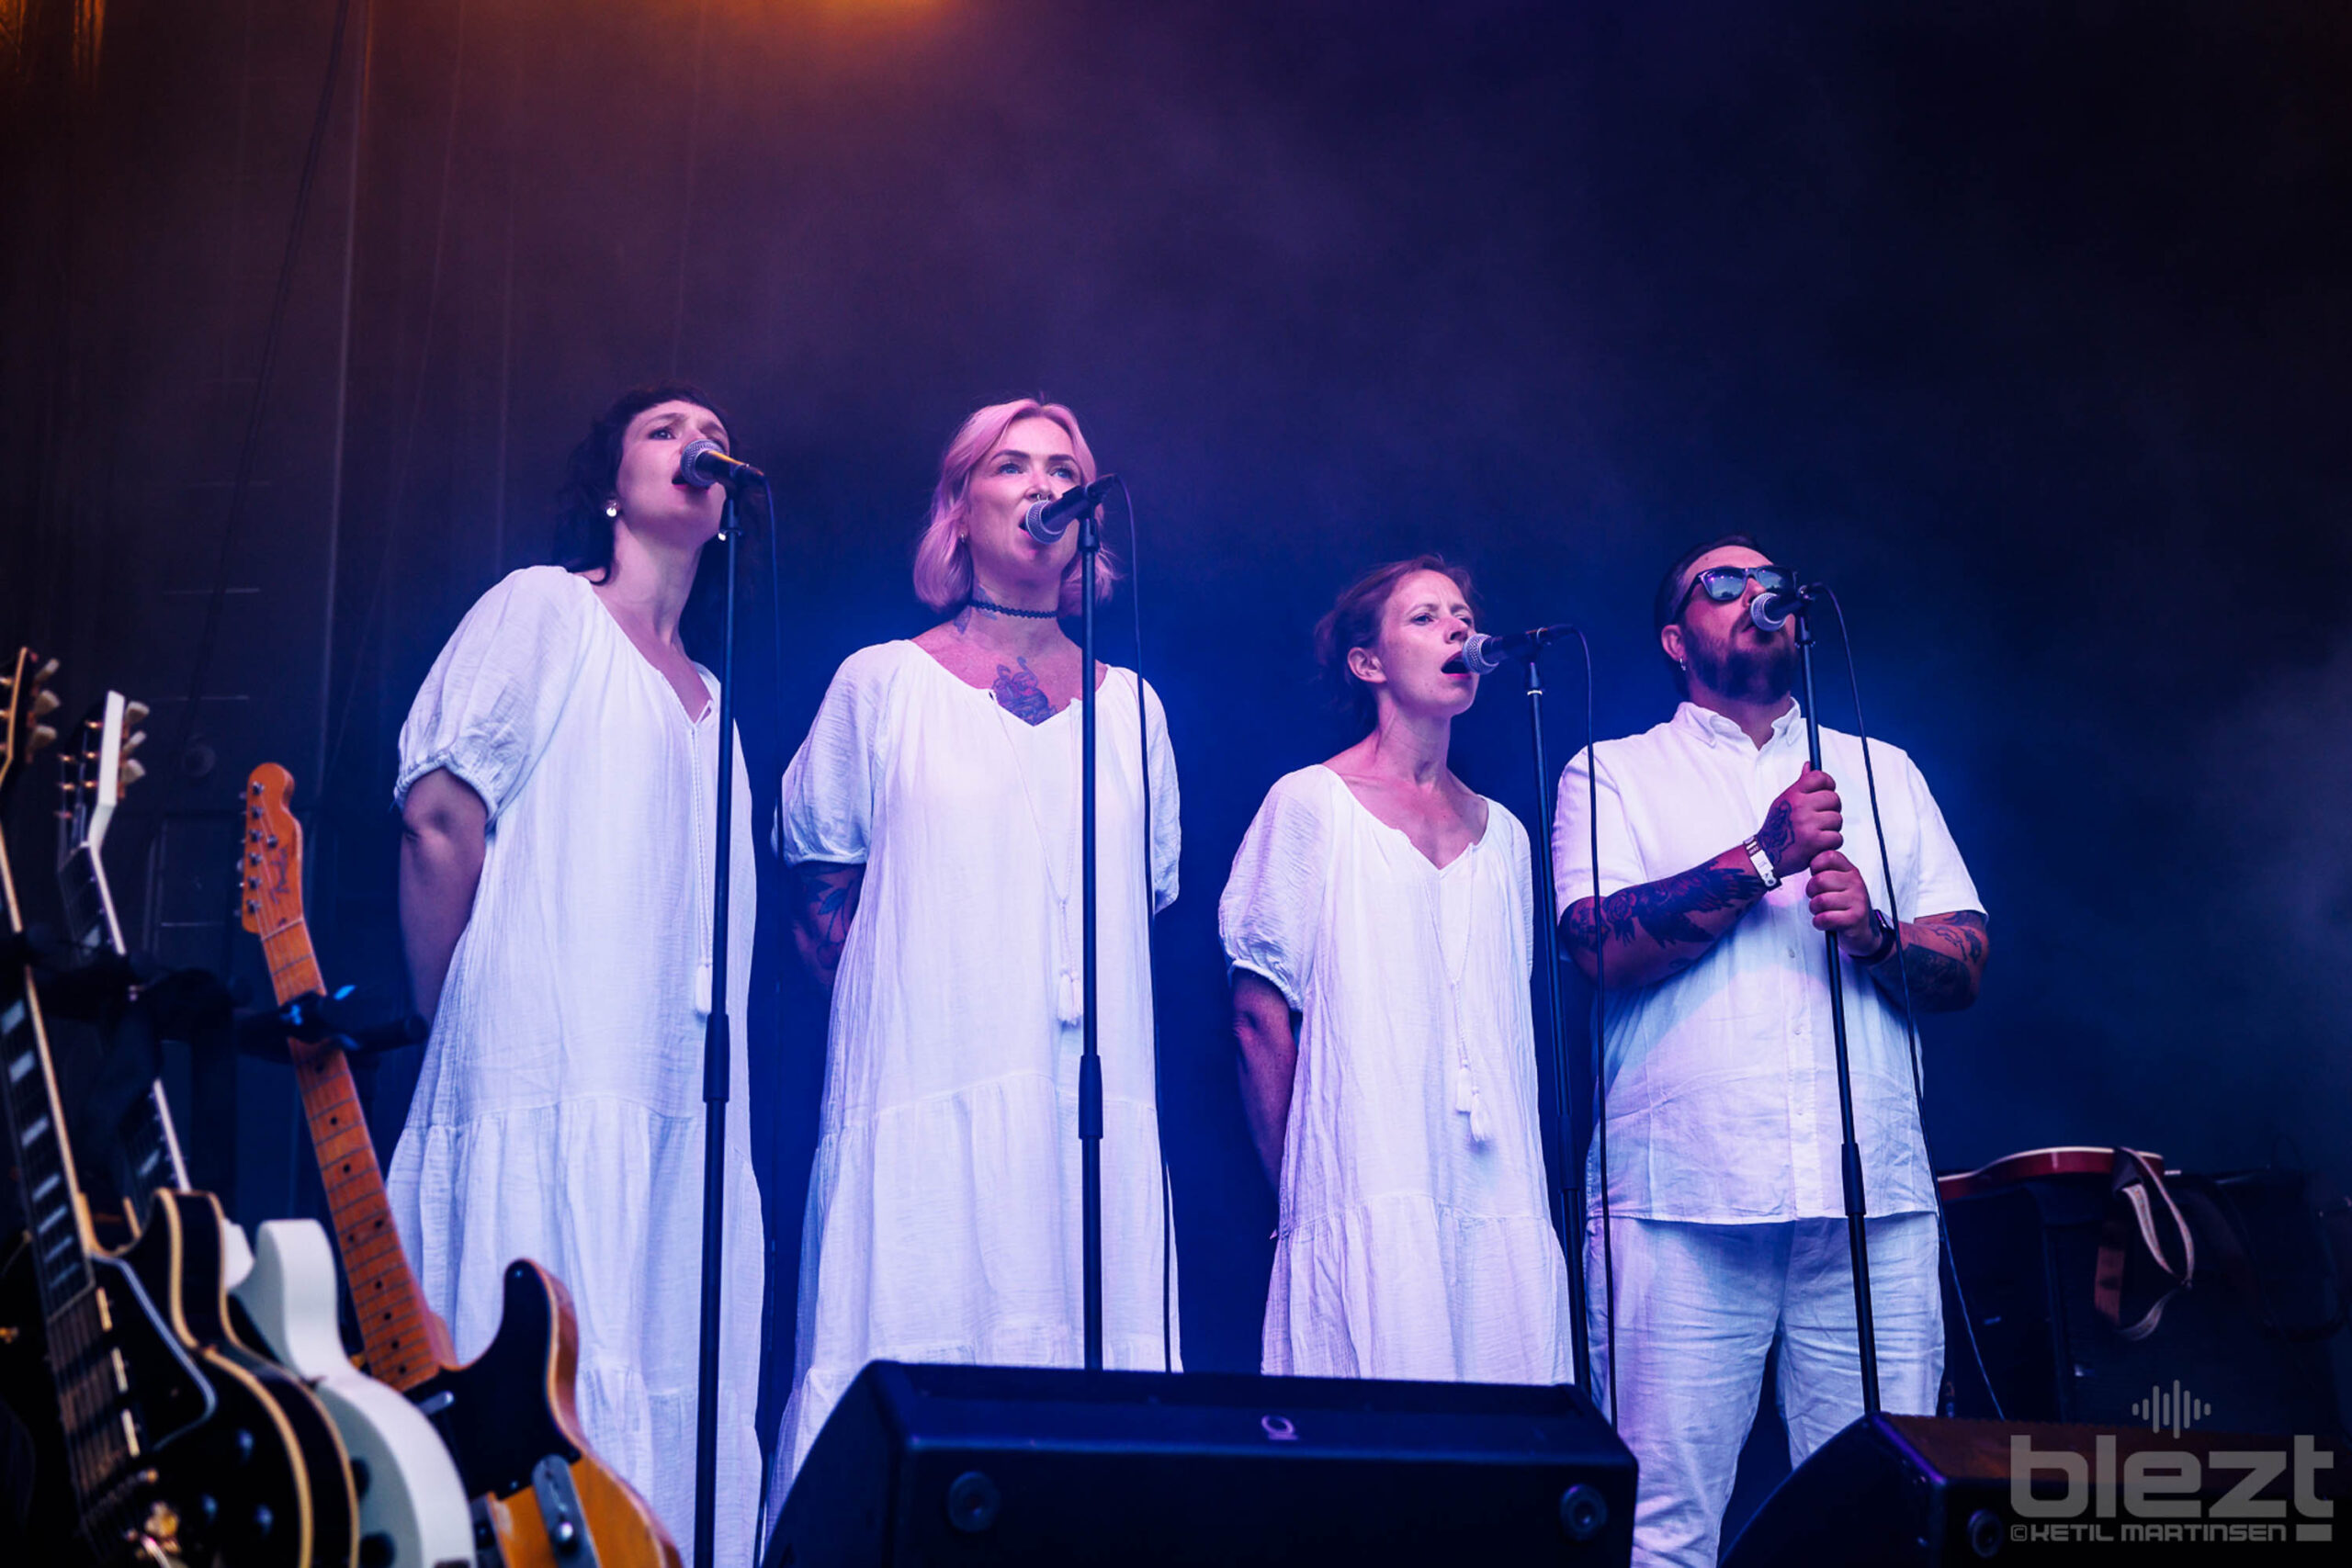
1698, 1309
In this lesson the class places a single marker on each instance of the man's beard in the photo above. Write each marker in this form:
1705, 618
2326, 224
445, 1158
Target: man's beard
1746, 671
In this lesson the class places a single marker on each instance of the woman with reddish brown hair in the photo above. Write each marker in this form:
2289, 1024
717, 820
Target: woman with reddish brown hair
1379, 923
931, 816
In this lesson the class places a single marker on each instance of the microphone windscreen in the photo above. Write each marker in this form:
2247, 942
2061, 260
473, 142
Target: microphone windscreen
692, 469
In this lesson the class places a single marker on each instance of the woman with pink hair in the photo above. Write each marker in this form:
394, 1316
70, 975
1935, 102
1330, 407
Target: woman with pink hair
932, 816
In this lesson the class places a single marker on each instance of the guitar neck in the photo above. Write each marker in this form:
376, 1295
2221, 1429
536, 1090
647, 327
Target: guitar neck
90, 917
54, 1214
384, 1291
99, 1438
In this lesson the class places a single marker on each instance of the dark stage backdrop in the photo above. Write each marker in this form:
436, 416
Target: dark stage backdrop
2025, 327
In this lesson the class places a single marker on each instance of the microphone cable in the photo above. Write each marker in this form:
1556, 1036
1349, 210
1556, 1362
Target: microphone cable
1150, 913
1597, 1030
1910, 1014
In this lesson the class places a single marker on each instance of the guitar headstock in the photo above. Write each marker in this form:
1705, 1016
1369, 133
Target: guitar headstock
273, 859
98, 769
26, 702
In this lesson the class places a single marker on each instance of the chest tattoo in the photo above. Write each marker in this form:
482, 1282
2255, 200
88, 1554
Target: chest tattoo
1018, 694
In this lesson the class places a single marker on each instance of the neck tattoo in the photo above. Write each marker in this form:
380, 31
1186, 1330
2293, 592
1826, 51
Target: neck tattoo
992, 607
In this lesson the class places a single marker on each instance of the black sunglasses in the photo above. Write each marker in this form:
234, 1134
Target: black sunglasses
1722, 584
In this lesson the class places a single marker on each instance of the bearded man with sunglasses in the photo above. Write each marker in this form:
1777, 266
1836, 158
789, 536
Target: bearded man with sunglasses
1722, 860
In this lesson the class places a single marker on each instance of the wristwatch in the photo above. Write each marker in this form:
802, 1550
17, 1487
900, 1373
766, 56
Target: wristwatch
1763, 863
1886, 940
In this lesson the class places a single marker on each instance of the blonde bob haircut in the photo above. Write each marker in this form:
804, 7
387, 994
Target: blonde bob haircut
943, 556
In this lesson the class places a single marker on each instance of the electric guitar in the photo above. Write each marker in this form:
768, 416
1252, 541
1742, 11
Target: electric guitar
94, 773
540, 1494
411, 1508
157, 1441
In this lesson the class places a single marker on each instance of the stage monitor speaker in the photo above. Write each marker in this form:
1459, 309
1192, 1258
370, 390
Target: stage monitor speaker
958, 1464
1919, 1492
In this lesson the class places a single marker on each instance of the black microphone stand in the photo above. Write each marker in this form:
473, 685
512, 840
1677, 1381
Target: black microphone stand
717, 1071
1850, 1155
1089, 1061
1572, 1192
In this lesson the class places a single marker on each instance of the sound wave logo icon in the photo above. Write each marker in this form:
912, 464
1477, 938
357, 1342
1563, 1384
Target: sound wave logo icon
2174, 1408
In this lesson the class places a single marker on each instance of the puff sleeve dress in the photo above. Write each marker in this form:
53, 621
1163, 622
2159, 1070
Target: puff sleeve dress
1415, 1236
943, 1202
559, 1114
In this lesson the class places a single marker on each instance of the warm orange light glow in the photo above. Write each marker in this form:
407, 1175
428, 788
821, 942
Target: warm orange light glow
845, 11
89, 26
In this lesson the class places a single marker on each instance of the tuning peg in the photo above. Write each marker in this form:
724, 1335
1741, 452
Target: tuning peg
131, 774
42, 735
134, 713
45, 701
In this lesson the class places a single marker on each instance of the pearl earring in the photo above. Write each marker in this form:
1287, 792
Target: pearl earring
612, 509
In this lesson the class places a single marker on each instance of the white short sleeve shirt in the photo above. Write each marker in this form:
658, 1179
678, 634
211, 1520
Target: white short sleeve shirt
1721, 1081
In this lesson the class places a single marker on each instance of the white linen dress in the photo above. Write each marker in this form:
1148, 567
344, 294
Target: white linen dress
559, 1115
1415, 1238
943, 1202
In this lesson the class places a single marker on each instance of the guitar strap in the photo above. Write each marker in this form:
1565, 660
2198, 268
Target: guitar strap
2133, 1194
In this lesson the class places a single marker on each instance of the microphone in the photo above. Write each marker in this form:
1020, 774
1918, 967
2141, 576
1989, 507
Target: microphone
704, 463
1483, 655
1047, 520
1770, 612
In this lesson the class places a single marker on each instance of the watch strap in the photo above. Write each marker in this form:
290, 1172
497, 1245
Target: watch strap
1763, 865
1886, 940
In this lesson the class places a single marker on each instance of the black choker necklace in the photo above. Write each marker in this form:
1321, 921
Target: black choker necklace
977, 603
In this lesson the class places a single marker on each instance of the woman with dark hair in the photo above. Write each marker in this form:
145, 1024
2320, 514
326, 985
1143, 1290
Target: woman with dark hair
931, 816
557, 788
1378, 923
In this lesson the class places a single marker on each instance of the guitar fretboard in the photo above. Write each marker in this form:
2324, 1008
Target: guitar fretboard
98, 1426
151, 1142
384, 1292
37, 1139
89, 905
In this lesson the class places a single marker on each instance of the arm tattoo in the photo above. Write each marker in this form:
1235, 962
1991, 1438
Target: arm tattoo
1018, 694
1943, 961
1773, 838
829, 894
1664, 908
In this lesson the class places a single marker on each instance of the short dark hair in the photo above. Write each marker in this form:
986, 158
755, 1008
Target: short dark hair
584, 531
1353, 622
1666, 608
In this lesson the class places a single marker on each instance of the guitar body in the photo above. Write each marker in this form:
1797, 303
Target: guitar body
219, 1455
310, 1518
540, 1496
412, 1508
2032, 1165
508, 1418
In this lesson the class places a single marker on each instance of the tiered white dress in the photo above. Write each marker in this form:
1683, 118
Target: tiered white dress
559, 1116
943, 1203
1415, 1238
